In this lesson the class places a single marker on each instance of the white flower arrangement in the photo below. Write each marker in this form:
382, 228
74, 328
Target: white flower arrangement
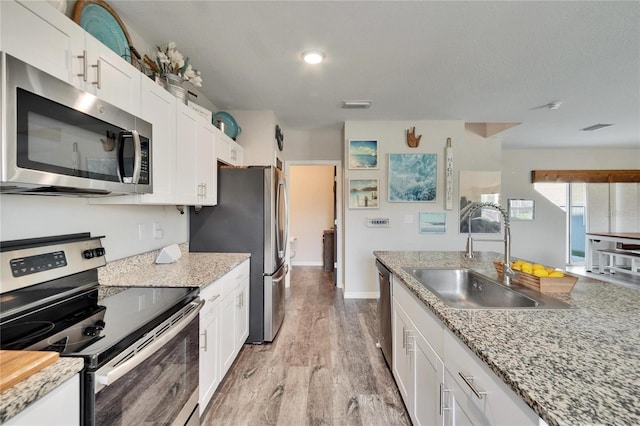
171, 61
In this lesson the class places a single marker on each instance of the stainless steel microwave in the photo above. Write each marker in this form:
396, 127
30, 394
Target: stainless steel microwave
59, 140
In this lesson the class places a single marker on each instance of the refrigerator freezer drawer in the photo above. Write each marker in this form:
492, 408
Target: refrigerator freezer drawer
274, 299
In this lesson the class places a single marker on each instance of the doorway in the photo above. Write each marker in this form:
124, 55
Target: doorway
314, 215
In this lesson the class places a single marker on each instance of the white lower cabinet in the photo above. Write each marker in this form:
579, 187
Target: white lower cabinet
60, 407
441, 381
418, 370
224, 327
210, 370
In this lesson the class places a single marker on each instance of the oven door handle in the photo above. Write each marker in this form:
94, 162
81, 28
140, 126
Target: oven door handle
108, 375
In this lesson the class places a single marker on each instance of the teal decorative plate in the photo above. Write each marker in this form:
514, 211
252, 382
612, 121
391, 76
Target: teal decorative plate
101, 24
230, 126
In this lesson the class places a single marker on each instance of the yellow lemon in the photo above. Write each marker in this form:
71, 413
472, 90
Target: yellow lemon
549, 270
556, 274
527, 269
516, 267
537, 266
527, 265
519, 262
540, 273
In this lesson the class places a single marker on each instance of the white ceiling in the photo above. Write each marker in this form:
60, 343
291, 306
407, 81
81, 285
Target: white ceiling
478, 61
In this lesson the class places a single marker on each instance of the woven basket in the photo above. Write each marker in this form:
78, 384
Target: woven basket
542, 284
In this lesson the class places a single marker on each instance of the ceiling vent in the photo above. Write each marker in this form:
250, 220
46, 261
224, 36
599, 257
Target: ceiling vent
596, 127
356, 104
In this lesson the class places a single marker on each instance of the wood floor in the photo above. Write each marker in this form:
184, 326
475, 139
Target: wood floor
322, 369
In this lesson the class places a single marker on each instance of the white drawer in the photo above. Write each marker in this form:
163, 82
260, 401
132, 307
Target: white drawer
498, 403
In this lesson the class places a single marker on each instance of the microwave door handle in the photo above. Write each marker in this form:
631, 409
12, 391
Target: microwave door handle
109, 375
138, 154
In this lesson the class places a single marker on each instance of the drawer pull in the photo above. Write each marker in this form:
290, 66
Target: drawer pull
213, 298
469, 381
442, 392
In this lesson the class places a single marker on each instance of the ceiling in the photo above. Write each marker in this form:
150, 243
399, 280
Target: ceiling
477, 61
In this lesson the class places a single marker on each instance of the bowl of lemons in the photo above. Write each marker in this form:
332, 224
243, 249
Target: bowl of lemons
539, 277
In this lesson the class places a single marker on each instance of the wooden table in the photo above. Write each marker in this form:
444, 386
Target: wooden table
616, 237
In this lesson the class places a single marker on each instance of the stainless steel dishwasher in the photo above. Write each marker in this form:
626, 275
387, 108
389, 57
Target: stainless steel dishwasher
384, 312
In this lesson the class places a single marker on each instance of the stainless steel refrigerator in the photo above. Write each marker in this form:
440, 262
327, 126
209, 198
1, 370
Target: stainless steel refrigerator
251, 217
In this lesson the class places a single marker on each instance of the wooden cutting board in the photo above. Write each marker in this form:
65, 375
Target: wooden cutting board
18, 365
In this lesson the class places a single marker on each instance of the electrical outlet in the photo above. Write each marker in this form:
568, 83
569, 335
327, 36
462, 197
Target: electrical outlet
141, 303
158, 232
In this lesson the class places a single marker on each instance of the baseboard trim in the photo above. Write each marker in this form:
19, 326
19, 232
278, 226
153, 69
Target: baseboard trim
360, 295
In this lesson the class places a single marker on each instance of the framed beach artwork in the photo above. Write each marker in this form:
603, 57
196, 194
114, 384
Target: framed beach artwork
363, 193
413, 177
363, 154
479, 187
433, 222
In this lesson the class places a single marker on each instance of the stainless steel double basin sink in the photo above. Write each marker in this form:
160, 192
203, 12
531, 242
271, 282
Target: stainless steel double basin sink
467, 289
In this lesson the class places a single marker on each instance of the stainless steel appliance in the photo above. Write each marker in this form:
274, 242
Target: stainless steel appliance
59, 140
251, 217
140, 346
384, 312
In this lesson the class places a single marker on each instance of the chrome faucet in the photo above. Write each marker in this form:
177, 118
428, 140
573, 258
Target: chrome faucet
507, 272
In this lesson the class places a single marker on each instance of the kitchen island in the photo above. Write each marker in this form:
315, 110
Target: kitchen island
570, 366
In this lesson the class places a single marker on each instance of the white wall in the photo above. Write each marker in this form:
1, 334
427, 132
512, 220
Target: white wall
471, 152
543, 239
311, 211
257, 136
29, 216
318, 144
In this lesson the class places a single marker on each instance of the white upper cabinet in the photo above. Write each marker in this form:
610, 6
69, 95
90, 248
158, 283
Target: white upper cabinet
196, 177
158, 107
108, 76
37, 33
26, 27
228, 151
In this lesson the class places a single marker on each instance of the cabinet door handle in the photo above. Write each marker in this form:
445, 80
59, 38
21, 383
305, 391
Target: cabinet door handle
469, 382
98, 68
83, 74
213, 298
404, 338
442, 392
204, 334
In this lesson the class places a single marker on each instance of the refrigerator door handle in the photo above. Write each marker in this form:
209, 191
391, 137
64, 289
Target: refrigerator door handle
282, 241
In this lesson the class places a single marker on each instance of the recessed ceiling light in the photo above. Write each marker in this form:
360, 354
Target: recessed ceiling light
313, 57
596, 127
356, 104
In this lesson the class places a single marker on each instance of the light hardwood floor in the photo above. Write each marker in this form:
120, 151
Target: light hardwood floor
322, 369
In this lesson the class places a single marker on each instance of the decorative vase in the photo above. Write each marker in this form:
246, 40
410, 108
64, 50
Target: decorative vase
174, 86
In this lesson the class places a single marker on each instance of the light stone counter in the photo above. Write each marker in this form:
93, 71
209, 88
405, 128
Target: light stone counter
191, 270
572, 367
18, 397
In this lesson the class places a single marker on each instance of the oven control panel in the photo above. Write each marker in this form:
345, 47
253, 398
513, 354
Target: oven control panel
33, 261
38, 263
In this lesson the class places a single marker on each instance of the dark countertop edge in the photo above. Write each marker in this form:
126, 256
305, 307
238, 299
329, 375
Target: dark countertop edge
18, 397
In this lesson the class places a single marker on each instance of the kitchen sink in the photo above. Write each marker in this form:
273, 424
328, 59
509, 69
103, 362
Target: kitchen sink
466, 289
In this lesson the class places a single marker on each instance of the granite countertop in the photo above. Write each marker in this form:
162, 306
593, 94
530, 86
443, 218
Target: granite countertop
190, 270
19, 396
573, 366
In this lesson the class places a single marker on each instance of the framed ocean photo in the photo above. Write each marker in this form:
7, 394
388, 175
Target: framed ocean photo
433, 222
363, 193
413, 177
363, 154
